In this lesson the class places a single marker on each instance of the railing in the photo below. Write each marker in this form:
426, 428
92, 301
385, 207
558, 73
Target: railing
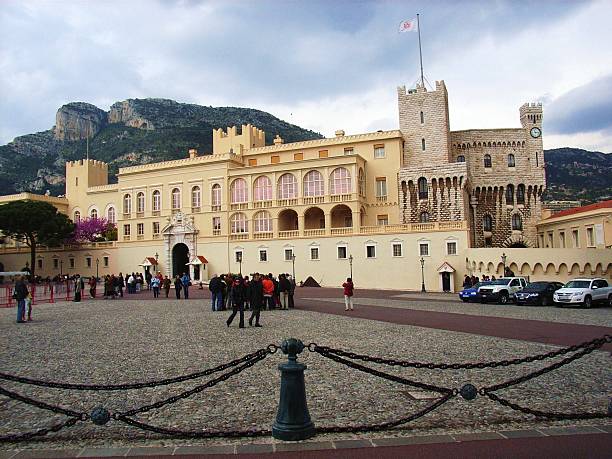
127, 216
139, 214
293, 421
126, 238
140, 237
262, 204
216, 232
287, 202
263, 235
314, 232
195, 210
156, 235
381, 198
288, 234
239, 206
156, 213
313, 200
342, 197
339, 231
239, 236
215, 208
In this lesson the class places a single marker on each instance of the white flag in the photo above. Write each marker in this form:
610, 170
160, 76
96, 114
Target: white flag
408, 26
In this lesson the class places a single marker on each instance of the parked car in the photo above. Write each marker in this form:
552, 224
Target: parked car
502, 289
471, 293
537, 293
585, 292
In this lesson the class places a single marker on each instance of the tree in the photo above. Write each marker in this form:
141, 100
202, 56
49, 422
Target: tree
94, 230
34, 223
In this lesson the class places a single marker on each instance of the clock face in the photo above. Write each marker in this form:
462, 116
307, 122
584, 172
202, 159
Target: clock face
535, 132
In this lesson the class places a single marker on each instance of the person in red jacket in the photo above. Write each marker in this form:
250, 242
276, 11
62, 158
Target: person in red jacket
348, 294
268, 292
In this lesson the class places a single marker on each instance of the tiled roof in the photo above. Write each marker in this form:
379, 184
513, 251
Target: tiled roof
579, 210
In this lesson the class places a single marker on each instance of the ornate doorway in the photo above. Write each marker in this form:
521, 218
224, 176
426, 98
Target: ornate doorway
179, 232
180, 258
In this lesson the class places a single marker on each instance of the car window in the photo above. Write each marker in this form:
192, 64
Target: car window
602, 283
514, 283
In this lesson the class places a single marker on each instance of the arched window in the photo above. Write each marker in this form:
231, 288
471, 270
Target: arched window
313, 184
424, 217
460, 159
520, 194
422, 118
215, 198
77, 216
196, 197
487, 223
422, 184
127, 204
487, 160
239, 191
262, 189
239, 223
111, 216
93, 214
176, 198
287, 186
510, 194
262, 222
340, 181
517, 222
511, 162
140, 202
156, 201
361, 182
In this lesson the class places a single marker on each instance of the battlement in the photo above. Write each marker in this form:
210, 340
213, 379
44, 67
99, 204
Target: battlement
420, 89
531, 114
90, 163
250, 137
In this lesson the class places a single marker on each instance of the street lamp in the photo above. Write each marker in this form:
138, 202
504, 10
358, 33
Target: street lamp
503, 259
97, 268
156, 258
423, 275
293, 263
61, 268
351, 265
239, 256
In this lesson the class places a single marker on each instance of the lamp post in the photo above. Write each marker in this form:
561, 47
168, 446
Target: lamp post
239, 256
61, 268
351, 265
156, 258
97, 269
423, 275
503, 259
293, 264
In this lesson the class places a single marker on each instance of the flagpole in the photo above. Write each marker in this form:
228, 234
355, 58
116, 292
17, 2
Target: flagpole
420, 52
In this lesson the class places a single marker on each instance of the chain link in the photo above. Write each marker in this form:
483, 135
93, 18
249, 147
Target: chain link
42, 405
38, 433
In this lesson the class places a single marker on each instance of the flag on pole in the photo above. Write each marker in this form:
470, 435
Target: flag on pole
408, 26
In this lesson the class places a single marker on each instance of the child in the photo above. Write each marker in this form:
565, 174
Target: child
28, 306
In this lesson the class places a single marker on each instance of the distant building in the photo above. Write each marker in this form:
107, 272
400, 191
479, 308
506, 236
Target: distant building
553, 207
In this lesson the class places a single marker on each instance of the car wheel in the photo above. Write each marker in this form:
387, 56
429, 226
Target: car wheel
503, 299
544, 301
588, 302
610, 301
465, 300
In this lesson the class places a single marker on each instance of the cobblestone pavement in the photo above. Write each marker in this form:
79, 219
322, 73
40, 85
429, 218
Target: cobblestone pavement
136, 340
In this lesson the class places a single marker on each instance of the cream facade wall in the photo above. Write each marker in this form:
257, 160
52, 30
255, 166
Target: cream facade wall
591, 230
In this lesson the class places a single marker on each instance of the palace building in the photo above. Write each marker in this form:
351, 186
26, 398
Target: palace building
372, 205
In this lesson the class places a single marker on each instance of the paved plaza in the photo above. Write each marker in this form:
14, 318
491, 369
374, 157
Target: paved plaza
139, 338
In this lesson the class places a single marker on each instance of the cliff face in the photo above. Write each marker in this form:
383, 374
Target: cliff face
78, 120
125, 113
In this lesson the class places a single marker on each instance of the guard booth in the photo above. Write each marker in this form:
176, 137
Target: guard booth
149, 265
197, 269
447, 277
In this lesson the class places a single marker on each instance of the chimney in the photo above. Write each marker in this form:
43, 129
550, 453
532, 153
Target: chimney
193, 153
340, 133
278, 140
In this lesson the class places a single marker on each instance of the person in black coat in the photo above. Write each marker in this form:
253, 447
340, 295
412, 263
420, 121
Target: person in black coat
178, 286
20, 294
237, 299
256, 299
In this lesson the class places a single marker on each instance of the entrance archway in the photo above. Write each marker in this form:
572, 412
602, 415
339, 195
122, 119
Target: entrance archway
180, 258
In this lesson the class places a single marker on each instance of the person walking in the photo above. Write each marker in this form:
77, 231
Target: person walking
291, 292
283, 289
256, 299
93, 282
131, 284
121, 284
178, 286
348, 294
20, 293
186, 283
216, 293
268, 292
28, 307
78, 288
155, 286
166, 284
237, 299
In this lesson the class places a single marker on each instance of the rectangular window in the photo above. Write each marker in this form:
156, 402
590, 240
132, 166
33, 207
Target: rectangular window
370, 251
423, 144
314, 253
71, 262
39, 263
397, 249
216, 223
238, 256
562, 239
379, 151
575, 239
590, 237
274, 159
155, 227
263, 255
88, 262
323, 153
382, 220
342, 253
422, 118
140, 229
550, 240
288, 254
381, 187
55, 263
451, 248
424, 249
252, 161
298, 156
127, 230
105, 262
348, 151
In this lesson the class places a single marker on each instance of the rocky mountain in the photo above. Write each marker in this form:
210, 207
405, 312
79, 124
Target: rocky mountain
137, 131
133, 131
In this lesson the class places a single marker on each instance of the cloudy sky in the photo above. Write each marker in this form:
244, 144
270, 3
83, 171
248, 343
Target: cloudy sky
324, 65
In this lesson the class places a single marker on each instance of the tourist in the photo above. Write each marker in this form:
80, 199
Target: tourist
467, 282
216, 292
114, 286
79, 285
20, 293
121, 284
237, 299
247, 287
348, 294
139, 282
228, 279
178, 286
155, 286
268, 292
255, 299
131, 283
166, 284
186, 283
276, 294
107, 286
291, 292
283, 289
28, 306
93, 282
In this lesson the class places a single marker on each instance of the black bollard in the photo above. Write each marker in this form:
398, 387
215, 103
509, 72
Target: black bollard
293, 421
